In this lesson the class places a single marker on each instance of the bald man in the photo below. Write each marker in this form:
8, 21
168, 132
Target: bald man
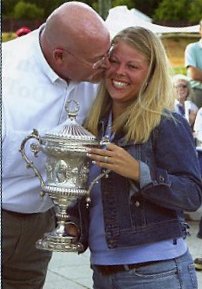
62, 60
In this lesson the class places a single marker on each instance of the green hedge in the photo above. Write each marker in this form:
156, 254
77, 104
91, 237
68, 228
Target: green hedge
179, 70
8, 36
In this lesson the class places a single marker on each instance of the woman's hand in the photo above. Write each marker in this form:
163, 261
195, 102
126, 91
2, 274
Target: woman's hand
116, 159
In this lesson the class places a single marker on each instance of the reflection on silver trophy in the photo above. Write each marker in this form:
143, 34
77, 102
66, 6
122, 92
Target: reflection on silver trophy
67, 168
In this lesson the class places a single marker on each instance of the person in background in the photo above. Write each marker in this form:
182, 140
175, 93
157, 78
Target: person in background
22, 31
198, 136
198, 124
193, 64
183, 105
136, 222
62, 60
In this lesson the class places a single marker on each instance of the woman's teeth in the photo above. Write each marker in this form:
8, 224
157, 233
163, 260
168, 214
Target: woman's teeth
119, 84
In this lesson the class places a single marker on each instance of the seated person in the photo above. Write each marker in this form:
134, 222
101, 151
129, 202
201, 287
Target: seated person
183, 105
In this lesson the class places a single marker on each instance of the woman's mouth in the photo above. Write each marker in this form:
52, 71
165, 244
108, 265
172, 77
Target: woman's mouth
119, 84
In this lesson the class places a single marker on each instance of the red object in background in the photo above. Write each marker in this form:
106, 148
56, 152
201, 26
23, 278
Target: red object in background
22, 31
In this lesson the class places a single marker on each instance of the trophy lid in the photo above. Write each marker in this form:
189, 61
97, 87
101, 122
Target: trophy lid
70, 135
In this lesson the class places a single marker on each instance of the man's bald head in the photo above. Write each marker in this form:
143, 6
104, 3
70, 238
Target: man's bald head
75, 24
73, 39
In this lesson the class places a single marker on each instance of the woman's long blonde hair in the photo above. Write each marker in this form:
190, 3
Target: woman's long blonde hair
155, 97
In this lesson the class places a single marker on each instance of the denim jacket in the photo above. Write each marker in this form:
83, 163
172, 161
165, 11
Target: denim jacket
154, 212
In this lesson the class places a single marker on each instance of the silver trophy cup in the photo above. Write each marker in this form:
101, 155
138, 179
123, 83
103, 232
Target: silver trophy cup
67, 168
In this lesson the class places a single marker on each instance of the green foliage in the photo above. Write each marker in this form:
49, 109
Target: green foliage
179, 70
47, 5
172, 10
95, 6
129, 3
104, 6
7, 7
29, 11
189, 11
8, 36
195, 11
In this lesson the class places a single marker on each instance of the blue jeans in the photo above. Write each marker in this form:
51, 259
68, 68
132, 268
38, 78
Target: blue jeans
178, 273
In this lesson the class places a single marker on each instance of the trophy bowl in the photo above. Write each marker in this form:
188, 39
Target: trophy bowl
66, 167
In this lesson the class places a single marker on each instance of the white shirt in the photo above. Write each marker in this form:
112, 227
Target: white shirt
198, 129
34, 96
198, 121
188, 106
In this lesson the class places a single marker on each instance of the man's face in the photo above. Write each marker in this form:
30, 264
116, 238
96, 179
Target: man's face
88, 64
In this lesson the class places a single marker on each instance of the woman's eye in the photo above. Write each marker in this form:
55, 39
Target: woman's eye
132, 66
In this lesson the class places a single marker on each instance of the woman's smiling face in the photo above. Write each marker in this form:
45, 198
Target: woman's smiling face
126, 74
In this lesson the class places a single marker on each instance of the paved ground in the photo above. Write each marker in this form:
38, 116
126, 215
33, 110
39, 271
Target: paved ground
70, 271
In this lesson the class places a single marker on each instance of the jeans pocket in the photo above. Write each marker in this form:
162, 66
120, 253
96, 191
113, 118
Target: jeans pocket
154, 274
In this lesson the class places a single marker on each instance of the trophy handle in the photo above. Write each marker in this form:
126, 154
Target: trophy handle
88, 199
104, 141
35, 148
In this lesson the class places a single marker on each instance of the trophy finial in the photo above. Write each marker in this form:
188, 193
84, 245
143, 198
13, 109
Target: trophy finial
72, 108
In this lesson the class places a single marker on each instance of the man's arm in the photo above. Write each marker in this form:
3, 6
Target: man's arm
194, 73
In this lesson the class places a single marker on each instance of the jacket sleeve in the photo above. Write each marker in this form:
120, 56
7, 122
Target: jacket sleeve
176, 182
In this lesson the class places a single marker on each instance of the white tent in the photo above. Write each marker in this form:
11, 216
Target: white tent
121, 17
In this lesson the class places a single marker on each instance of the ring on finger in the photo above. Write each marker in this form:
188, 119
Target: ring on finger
106, 159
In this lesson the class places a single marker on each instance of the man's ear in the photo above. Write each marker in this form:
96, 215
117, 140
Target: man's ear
58, 54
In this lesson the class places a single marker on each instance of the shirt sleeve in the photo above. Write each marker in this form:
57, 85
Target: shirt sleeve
189, 56
145, 178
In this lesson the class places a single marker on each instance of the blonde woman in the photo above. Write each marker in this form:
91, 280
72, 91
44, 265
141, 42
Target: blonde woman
135, 228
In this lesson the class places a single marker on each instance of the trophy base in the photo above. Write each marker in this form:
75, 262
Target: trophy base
59, 244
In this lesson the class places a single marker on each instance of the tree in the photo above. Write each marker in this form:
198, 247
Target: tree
129, 3
29, 11
195, 11
7, 7
104, 6
148, 7
172, 10
47, 5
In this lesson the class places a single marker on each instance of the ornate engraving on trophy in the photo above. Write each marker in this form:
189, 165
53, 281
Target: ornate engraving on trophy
83, 174
61, 171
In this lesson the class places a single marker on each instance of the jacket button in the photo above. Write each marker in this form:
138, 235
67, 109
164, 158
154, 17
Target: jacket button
137, 203
161, 178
